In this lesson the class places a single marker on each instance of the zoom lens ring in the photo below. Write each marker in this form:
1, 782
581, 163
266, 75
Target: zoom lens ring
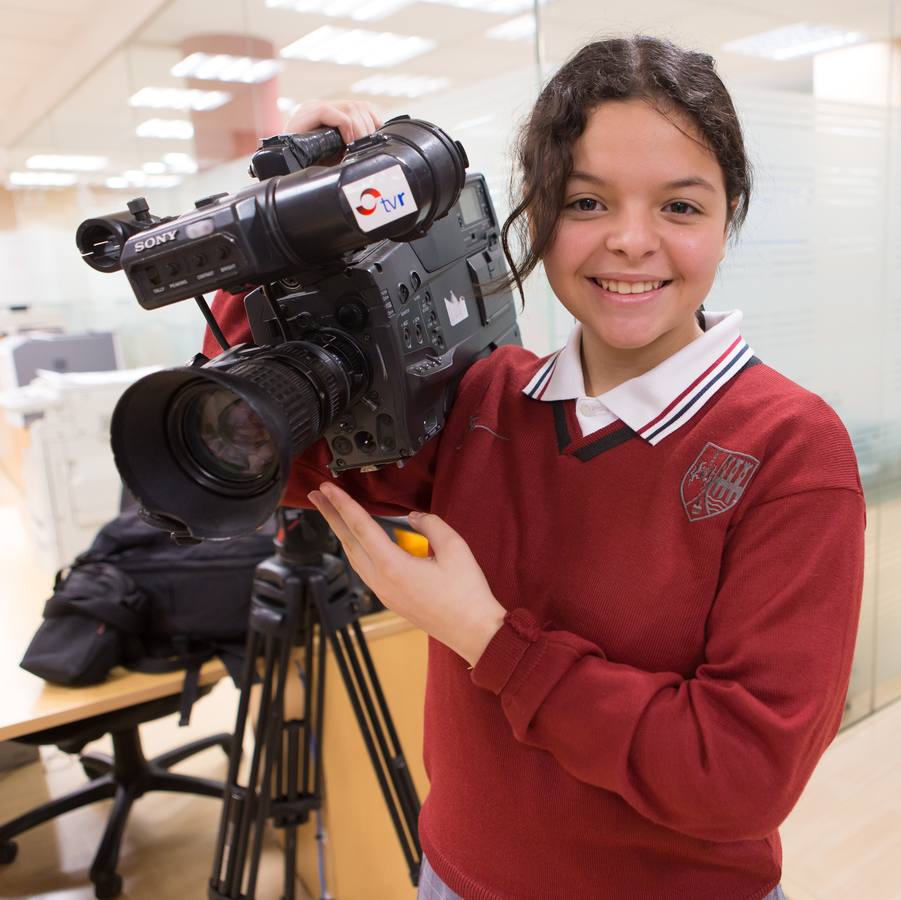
292, 391
326, 374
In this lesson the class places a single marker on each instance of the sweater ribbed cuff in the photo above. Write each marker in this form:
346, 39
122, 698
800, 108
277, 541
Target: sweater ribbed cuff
505, 650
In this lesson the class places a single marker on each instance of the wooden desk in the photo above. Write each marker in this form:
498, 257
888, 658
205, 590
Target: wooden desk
29, 704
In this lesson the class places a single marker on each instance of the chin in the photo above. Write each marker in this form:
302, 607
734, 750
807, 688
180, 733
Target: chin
630, 338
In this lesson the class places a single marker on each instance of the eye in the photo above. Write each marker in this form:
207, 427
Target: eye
584, 204
681, 208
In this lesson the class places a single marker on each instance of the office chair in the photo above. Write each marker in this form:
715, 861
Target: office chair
123, 777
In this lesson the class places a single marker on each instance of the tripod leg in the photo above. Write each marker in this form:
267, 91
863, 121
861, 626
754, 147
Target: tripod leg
403, 804
273, 748
406, 790
292, 731
231, 846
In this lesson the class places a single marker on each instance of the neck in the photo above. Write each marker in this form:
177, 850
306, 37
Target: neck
605, 367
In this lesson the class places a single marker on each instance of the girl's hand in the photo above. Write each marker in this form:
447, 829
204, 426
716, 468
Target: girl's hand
353, 118
445, 594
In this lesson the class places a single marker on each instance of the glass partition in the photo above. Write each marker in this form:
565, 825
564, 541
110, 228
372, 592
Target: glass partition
175, 113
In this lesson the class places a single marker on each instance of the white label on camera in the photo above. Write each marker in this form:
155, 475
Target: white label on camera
380, 198
456, 308
199, 229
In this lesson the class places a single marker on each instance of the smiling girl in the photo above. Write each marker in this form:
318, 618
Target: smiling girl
648, 546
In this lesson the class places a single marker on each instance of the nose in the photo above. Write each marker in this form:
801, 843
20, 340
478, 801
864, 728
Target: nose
632, 234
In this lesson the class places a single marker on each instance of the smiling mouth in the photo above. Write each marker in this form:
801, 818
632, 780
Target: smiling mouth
626, 288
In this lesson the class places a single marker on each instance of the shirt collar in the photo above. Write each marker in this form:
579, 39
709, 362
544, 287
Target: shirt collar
664, 398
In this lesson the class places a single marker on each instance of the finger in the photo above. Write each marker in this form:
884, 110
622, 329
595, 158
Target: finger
356, 553
314, 114
380, 549
441, 537
304, 116
360, 125
370, 116
374, 114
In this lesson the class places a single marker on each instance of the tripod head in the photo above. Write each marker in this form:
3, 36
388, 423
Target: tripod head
303, 536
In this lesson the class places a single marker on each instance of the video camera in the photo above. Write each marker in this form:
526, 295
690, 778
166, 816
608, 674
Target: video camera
375, 288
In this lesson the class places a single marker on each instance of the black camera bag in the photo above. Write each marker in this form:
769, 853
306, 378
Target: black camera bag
90, 624
134, 598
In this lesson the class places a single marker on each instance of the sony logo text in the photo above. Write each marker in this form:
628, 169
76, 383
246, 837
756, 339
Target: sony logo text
154, 240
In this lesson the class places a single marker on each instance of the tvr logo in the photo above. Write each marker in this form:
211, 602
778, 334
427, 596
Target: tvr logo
155, 240
371, 199
380, 198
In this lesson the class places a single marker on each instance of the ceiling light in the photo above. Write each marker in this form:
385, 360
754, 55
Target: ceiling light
517, 29
180, 162
399, 85
179, 98
501, 7
154, 168
224, 67
140, 178
42, 179
793, 41
162, 181
357, 47
117, 182
286, 104
178, 129
68, 163
361, 10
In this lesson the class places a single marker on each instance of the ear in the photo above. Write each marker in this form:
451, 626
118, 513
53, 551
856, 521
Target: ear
733, 205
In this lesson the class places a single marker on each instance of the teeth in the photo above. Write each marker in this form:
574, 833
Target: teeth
625, 287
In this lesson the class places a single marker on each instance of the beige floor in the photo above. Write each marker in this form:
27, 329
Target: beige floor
842, 841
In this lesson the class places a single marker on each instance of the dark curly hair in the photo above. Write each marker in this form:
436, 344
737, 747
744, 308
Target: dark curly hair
673, 80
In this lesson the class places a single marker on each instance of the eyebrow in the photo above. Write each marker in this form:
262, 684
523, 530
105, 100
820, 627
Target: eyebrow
693, 181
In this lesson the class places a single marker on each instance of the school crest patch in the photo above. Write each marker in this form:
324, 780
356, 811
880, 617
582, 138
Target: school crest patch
715, 481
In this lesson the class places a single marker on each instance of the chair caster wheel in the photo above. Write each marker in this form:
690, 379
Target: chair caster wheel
8, 852
107, 885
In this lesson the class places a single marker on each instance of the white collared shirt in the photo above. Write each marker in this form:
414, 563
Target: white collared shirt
661, 400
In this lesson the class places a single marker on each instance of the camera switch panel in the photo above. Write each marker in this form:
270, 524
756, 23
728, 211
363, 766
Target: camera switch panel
186, 270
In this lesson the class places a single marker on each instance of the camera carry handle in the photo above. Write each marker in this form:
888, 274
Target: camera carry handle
300, 595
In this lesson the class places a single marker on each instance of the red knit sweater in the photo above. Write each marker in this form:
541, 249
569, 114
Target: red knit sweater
665, 681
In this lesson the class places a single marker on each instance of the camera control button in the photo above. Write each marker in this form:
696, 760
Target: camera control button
343, 446
200, 229
209, 201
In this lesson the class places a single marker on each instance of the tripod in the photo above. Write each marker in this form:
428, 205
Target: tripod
303, 595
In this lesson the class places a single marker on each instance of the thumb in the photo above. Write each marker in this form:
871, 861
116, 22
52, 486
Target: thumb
439, 534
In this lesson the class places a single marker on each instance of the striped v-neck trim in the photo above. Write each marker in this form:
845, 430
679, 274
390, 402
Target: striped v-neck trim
538, 385
698, 392
616, 433
660, 401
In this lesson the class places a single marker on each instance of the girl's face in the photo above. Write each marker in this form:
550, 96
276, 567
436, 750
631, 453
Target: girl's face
640, 236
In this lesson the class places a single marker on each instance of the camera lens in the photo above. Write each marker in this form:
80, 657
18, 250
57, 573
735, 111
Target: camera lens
210, 447
221, 437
